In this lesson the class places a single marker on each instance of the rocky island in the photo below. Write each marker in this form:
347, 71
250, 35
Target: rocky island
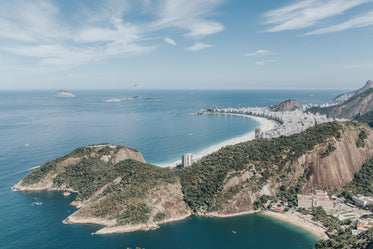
64, 94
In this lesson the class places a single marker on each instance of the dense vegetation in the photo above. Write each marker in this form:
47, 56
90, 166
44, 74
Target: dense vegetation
203, 181
329, 150
52, 166
329, 221
137, 179
125, 186
362, 182
284, 193
345, 240
366, 118
362, 137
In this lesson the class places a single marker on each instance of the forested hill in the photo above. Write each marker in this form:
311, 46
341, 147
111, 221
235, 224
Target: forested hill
123, 193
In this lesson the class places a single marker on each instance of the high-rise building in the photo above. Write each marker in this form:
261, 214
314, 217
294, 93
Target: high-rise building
257, 132
187, 159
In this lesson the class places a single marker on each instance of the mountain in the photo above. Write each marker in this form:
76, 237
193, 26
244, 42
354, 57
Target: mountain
345, 96
117, 189
286, 106
356, 106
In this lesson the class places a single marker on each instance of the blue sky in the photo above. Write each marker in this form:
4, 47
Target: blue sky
186, 44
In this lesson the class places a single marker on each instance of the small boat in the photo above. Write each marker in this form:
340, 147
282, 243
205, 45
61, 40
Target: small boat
37, 203
234, 232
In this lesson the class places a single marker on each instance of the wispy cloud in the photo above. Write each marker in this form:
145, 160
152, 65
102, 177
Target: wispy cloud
169, 41
357, 22
260, 52
190, 15
99, 30
199, 46
264, 62
307, 13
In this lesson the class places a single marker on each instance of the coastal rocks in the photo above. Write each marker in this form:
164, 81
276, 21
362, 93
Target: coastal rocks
64, 94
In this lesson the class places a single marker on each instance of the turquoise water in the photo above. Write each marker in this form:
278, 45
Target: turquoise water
35, 127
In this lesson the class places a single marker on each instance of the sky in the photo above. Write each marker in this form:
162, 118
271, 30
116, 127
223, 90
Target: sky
185, 44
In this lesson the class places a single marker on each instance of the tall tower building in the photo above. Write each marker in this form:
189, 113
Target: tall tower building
187, 160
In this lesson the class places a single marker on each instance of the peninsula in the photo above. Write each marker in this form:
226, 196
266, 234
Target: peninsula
118, 190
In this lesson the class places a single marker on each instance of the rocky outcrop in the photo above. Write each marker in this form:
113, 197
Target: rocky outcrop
338, 168
346, 96
287, 106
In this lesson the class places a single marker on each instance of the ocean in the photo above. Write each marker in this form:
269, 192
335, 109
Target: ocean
36, 127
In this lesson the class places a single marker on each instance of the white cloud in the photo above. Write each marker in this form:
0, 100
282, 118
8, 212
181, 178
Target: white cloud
357, 22
307, 13
99, 30
199, 46
169, 41
260, 52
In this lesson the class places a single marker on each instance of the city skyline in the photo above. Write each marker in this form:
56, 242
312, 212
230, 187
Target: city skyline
205, 44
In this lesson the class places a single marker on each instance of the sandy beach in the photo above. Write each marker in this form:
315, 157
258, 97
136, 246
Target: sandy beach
297, 219
264, 124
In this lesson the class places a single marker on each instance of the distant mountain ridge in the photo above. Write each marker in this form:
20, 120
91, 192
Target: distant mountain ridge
352, 108
346, 96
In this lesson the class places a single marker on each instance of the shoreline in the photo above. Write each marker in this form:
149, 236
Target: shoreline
295, 220
264, 124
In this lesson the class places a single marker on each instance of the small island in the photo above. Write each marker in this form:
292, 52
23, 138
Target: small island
151, 99
64, 94
115, 100
112, 100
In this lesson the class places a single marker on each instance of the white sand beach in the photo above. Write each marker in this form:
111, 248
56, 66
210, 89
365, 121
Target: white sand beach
265, 125
298, 219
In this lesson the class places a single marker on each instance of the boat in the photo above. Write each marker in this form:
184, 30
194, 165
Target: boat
234, 232
37, 203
